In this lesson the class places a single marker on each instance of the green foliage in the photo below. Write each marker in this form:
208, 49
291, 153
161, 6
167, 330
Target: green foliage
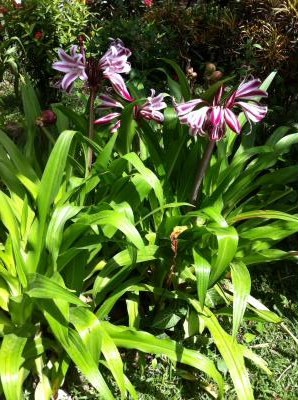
93, 261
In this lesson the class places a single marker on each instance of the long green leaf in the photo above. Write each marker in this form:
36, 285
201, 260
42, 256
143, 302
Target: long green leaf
242, 284
231, 352
202, 270
25, 173
55, 228
97, 340
148, 175
227, 239
184, 85
265, 214
117, 220
143, 341
9, 220
42, 287
11, 360
52, 176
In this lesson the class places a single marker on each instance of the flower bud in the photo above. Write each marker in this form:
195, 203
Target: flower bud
209, 68
82, 39
191, 73
39, 35
48, 117
216, 76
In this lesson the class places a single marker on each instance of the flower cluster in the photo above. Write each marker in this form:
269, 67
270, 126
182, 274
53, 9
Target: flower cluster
110, 66
149, 111
213, 119
203, 118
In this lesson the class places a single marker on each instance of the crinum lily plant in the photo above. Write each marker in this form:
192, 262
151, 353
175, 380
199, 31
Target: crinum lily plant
107, 255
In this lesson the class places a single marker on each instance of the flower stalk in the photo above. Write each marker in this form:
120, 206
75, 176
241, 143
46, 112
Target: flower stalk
93, 93
204, 164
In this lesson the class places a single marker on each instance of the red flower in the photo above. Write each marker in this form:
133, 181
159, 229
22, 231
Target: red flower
148, 3
39, 35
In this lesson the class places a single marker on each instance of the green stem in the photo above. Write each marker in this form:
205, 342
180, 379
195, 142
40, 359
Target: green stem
93, 93
48, 134
204, 164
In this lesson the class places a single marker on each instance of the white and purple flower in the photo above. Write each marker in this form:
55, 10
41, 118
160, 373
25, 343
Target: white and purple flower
110, 66
150, 110
213, 119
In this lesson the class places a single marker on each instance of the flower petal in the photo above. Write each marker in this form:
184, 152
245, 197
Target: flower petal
185, 108
116, 126
106, 119
195, 120
109, 102
232, 121
115, 59
71, 65
152, 115
217, 132
119, 85
216, 115
68, 81
249, 90
254, 112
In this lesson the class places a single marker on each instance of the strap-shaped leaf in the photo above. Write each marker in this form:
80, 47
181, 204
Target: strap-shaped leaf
11, 360
25, 172
117, 220
264, 214
42, 287
97, 340
81, 356
132, 304
143, 341
184, 85
53, 173
110, 277
55, 228
147, 174
227, 239
10, 222
104, 157
242, 284
202, 270
231, 351
128, 127
88, 327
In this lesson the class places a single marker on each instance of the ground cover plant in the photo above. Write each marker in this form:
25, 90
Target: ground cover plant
134, 224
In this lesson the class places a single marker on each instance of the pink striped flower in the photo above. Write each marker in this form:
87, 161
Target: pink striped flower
213, 119
110, 66
150, 110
